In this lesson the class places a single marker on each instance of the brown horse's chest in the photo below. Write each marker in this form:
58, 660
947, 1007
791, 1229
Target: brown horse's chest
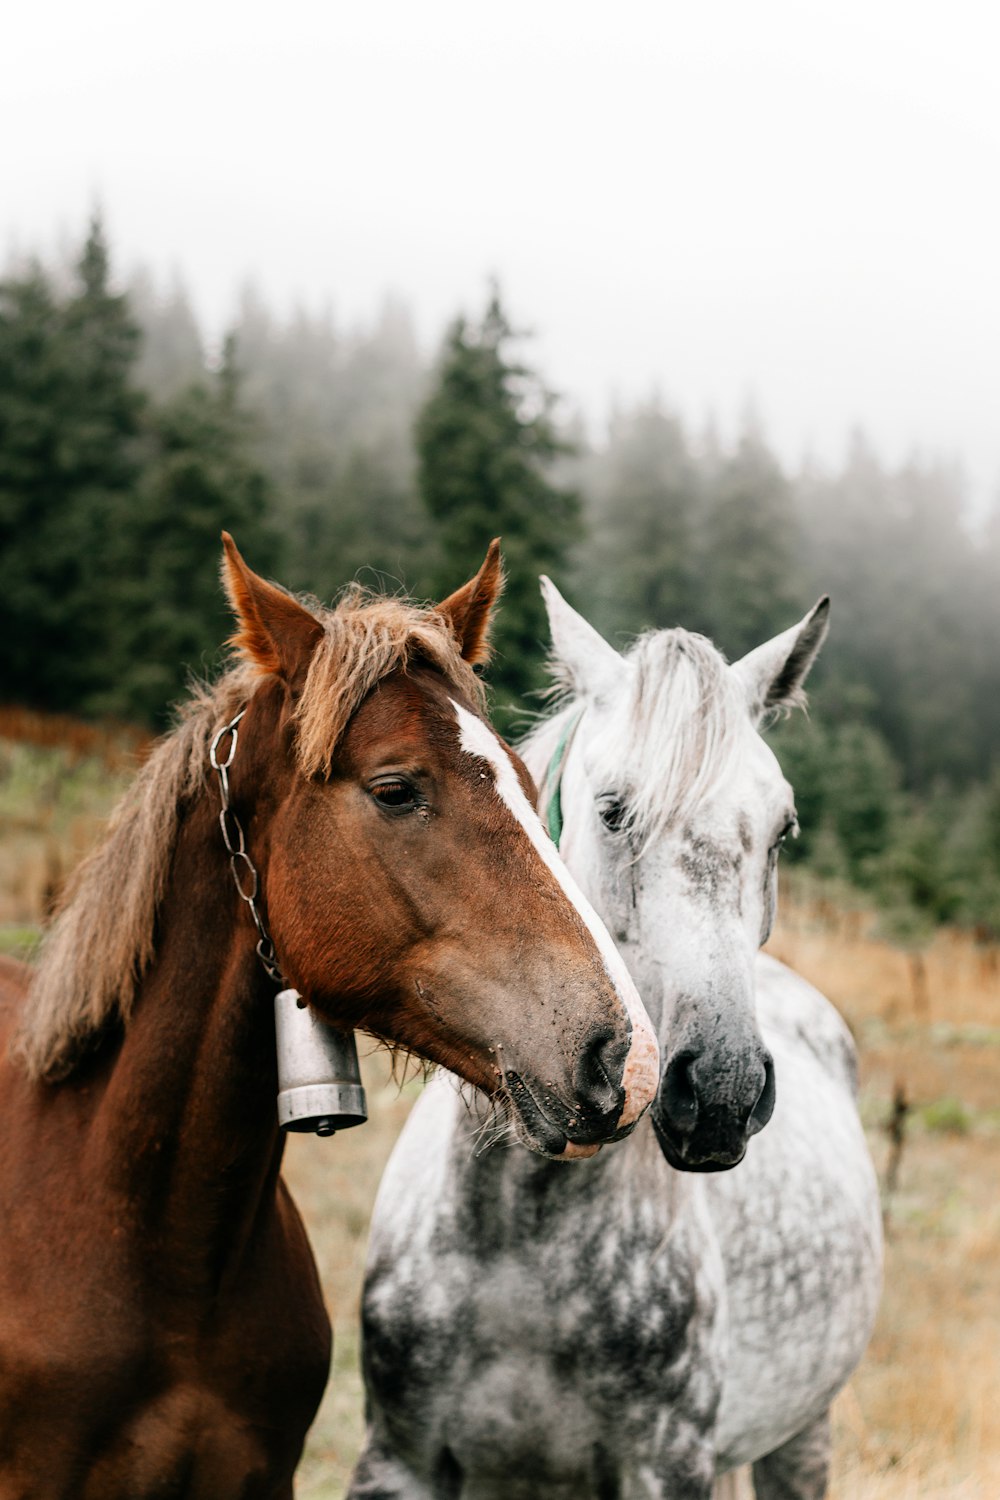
189, 1442
112, 1390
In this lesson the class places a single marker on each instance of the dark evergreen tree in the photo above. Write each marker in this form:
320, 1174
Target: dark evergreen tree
69, 421
34, 384
110, 509
486, 440
335, 416
915, 646
198, 479
846, 786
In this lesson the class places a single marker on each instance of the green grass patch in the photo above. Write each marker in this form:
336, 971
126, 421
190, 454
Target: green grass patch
20, 940
946, 1117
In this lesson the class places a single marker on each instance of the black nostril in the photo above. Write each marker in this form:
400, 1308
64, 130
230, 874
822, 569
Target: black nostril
764, 1108
599, 1072
678, 1096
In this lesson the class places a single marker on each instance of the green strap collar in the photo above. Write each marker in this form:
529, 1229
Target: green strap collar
552, 790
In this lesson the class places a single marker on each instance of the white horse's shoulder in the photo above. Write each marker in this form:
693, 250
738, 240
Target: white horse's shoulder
790, 1006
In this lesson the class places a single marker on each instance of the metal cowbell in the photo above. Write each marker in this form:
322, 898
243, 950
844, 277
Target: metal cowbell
319, 1081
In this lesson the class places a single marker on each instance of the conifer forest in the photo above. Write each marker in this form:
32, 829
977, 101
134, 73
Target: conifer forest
336, 453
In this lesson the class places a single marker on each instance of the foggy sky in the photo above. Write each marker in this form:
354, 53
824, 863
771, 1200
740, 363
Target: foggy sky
788, 202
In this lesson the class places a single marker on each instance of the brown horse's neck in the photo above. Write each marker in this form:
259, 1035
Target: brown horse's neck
186, 1131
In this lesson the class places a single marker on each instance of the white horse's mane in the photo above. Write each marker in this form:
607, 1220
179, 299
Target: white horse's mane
678, 738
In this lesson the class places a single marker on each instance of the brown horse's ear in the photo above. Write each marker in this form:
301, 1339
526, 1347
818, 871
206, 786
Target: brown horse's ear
469, 610
275, 631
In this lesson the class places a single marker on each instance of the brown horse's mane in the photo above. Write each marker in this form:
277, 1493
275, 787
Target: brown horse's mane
102, 939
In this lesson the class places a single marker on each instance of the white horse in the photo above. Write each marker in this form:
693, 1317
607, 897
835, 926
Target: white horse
627, 1329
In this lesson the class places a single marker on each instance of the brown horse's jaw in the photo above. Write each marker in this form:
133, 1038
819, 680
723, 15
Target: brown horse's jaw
536, 1131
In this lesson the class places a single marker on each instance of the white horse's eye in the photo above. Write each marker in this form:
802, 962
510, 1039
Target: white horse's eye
790, 830
612, 812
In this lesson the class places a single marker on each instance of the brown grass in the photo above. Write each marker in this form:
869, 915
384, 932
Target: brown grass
116, 746
840, 952
54, 804
921, 1416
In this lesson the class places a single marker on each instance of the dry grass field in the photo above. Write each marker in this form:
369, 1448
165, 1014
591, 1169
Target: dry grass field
58, 781
922, 1417
921, 1420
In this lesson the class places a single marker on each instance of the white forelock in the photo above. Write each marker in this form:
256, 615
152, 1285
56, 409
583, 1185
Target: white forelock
670, 740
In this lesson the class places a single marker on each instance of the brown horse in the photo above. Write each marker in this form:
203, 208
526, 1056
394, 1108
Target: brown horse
162, 1331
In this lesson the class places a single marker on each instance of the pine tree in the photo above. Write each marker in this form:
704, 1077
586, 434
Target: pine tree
915, 639
111, 507
486, 440
198, 479
69, 421
33, 385
335, 435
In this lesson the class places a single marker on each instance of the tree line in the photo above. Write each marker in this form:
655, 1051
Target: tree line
126, 445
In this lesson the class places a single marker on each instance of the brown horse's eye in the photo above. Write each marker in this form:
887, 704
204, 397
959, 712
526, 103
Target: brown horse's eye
395, 796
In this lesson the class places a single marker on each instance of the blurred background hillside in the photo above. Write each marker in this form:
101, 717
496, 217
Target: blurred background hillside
127, 442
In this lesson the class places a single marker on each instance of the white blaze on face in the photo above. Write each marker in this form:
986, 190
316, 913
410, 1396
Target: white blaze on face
642, 1065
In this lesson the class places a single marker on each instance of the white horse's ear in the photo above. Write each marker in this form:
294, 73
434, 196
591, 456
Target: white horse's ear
582, 658
773, 674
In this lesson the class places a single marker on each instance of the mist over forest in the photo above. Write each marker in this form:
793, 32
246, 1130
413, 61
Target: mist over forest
333, 452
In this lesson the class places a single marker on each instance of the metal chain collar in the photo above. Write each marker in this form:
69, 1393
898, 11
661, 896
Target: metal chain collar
243, 868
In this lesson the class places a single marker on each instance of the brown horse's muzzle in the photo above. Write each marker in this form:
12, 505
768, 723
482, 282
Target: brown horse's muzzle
613, 1082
